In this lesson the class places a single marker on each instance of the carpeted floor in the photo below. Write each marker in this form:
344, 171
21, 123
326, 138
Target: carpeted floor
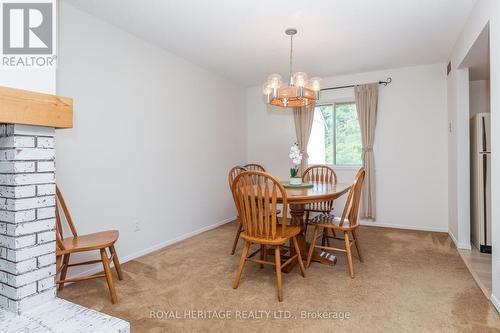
411, 281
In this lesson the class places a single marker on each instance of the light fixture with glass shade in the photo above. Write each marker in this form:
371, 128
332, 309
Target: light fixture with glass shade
299, 92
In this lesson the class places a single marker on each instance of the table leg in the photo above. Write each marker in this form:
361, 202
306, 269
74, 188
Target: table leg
297, 212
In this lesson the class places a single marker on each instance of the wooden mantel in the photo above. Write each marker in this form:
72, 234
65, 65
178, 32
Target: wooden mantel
31, 108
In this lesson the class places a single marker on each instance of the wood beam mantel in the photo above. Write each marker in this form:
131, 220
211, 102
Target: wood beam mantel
31, 108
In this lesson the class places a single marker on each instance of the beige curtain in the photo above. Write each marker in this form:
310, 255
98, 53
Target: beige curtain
366, 105
303, 118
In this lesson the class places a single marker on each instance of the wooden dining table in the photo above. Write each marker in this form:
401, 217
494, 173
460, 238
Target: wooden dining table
297, 199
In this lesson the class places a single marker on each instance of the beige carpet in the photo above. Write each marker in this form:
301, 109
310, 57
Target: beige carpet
411, 281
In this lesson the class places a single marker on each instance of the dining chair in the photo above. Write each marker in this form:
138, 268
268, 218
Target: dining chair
233, 173
258, 210
83, 243
254, 167
347, 224
319, 174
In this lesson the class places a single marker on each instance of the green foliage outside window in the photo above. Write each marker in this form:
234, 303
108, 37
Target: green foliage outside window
342, 131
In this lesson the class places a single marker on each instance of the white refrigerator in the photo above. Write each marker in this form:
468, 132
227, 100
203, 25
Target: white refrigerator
480, 182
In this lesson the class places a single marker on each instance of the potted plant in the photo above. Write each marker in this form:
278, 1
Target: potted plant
296, 157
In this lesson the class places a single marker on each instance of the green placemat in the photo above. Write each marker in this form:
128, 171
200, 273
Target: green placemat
303, 185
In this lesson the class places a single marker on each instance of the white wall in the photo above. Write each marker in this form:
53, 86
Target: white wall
410, 143
458, 158
153, 137
484, 12
34, 79
479, 95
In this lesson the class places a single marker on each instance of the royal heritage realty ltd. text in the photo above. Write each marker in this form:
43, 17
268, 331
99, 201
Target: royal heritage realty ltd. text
248, 314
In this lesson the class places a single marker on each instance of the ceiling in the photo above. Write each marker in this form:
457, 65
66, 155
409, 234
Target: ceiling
244, 40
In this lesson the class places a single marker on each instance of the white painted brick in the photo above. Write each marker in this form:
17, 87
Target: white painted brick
17, 242
16, 167
27, 246
45, 166
20, 154
7, 241
20, 267
33, 130
26, 178
17, 142
30, 227
27, 203
3, 302
42, 142
46, 283
30, 252
4, 277
17, 217
18, 293
46, 189
62, 316
45, 237
46, 260
8, 179
32, 301
17, 191
25, 266
45, 213
30, 277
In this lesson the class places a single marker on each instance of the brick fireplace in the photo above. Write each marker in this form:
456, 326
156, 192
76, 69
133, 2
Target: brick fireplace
28, 122
27, 216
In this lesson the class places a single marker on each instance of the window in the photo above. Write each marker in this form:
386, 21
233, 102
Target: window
335, 135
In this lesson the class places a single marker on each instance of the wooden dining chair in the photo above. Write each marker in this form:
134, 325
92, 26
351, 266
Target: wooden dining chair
347, 224
254, 167
319, 174
233, 173
82, 243
257, 207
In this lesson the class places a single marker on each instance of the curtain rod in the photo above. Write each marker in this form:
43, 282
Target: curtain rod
385, 83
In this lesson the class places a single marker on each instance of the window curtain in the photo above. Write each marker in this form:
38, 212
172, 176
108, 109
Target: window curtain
366, 105
303, 118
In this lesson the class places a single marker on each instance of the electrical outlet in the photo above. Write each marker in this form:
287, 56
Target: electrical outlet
137, 226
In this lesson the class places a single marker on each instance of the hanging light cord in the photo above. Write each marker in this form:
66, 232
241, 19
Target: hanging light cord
291, 52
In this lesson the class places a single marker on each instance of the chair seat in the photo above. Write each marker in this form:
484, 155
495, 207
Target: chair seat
94, 241
332, 221
291, 231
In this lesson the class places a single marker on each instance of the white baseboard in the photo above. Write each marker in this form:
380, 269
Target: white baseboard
463, 246
495, 302
401, 226
156, 247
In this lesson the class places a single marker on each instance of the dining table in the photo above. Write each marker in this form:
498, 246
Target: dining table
297, 199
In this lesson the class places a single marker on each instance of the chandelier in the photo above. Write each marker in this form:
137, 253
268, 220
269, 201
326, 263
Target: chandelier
298, 92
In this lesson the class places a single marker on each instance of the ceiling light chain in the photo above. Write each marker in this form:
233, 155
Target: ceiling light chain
291, 60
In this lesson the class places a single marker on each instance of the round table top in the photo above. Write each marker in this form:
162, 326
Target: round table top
319, 192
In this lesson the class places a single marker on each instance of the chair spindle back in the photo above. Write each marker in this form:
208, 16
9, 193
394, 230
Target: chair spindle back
254, 167
257, 204
59, 230
351, 206
233, 173
320, 174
